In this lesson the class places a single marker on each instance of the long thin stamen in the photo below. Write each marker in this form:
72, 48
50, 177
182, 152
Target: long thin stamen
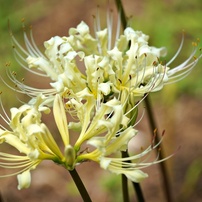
34, 44
183, 65
21, 54
182, 75
24, 89
118, 29
140, 119
29, 166
18, 57
109, 28
178, 51
31, 47
135, 106
6, 118
97, 28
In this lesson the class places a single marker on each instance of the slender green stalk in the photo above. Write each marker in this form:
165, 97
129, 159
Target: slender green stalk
136, 186
162, 165
152, 125
80, 186
1, 198
124, 154
139, 193
125, 181
119, 5
125, 188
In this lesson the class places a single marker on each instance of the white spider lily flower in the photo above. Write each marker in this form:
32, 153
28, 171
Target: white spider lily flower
129, 63
58, 63
35, 143
33, 140
105, 126
106, 154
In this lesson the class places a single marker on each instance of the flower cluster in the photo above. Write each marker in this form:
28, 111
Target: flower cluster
102, 100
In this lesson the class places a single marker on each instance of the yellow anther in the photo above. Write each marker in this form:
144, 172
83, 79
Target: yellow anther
194, 44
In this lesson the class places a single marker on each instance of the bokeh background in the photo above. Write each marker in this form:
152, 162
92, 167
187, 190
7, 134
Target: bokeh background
177, 108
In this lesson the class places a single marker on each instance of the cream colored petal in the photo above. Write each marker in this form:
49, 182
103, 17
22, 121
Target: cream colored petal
135, 175
16, 113
105, 88
82, 29
61, 119
16, 142
50, 142
121, 142
24, 180
42, 64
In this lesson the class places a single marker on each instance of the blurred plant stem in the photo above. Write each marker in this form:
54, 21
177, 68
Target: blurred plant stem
125, 188
122, 14
136, 186
1, 198
80, 186
153, 126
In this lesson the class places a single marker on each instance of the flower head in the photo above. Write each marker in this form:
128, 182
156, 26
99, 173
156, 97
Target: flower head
102, 101
129, 64
31, 138
103, 130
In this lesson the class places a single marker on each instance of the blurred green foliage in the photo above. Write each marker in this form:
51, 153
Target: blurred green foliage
192, 179
164, 22
110, 184
11, 14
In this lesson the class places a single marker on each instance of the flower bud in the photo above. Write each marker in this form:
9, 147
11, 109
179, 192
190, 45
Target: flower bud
70, 156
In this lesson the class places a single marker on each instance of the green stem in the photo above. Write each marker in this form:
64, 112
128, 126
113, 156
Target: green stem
136, 186
125, 181
125, 188
139, 193
162, 165
80, 186
1, 198
119, 5
151, 121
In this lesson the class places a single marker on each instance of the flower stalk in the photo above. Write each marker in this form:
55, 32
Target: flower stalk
80, 186
136, 186
124, 181
162, 165
119, 5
